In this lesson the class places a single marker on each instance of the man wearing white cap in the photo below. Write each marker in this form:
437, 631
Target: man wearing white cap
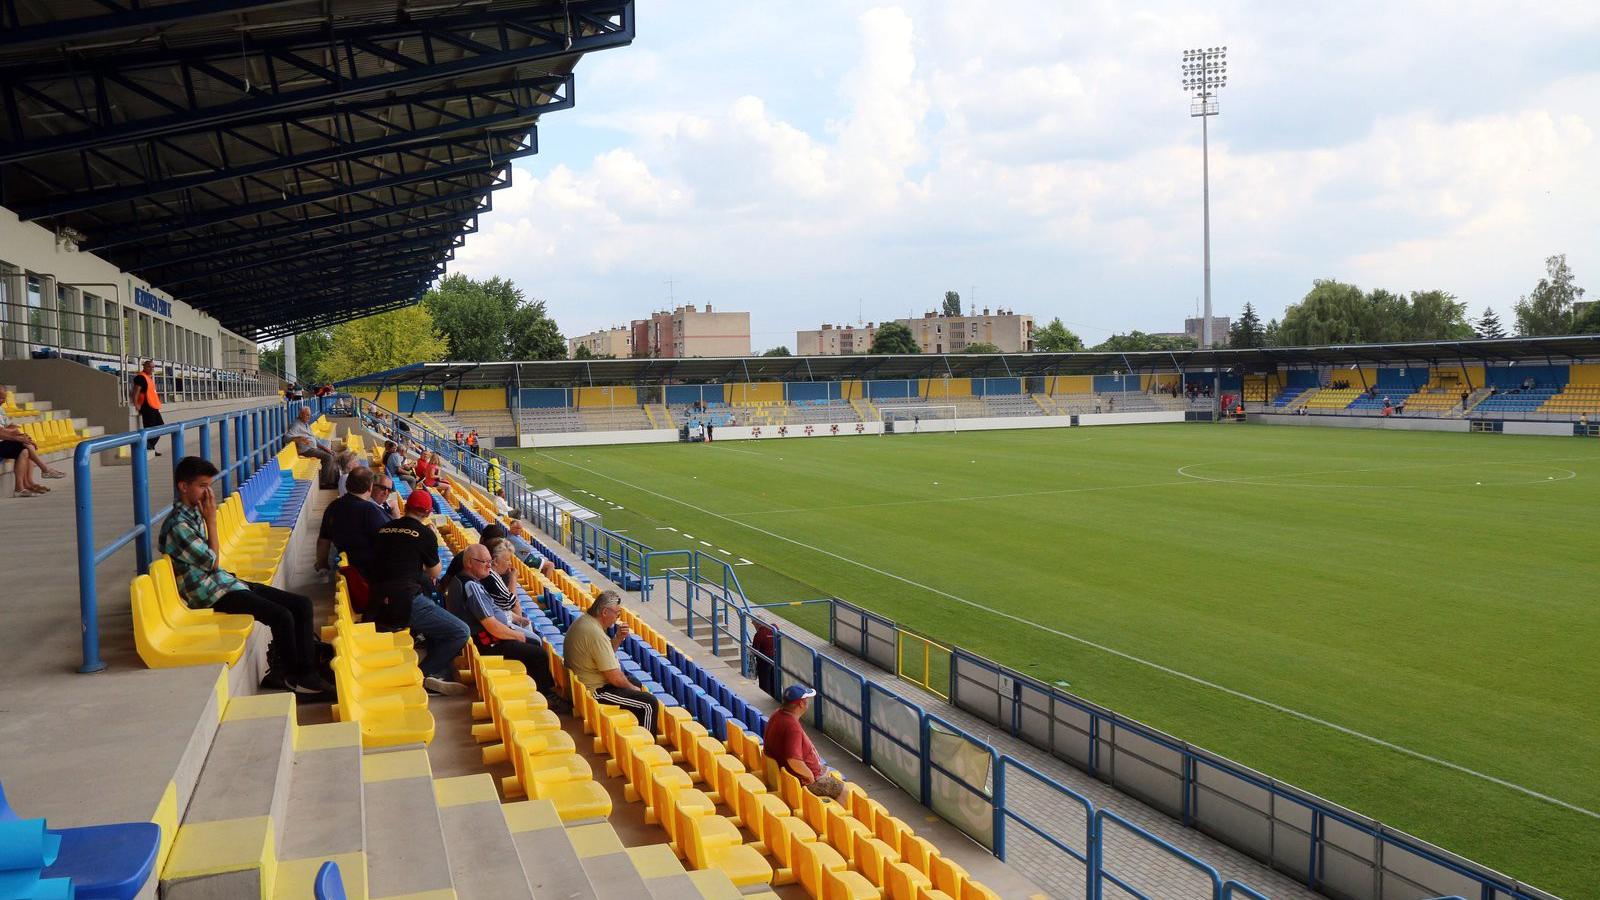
787, 743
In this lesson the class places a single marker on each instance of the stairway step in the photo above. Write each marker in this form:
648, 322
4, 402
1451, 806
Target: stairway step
483, 857
247, 769
547, 854
405, 841
606, 861
324, 814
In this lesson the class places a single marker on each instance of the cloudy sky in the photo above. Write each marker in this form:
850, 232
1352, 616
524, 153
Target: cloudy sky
817, 161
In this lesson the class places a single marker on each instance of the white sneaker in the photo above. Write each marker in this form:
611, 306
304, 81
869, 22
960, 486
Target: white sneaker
440, 686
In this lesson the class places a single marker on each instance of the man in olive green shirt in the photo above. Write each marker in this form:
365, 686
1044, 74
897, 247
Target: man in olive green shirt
591, 657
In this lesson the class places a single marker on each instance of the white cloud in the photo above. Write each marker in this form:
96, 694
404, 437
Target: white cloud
1045, 155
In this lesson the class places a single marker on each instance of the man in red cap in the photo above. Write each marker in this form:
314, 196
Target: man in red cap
404, 566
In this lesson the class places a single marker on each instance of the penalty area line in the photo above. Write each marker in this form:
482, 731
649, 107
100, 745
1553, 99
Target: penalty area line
1176, 673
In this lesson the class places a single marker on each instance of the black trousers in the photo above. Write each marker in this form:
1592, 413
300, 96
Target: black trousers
641, 703
150, 417
294, 643
530, 654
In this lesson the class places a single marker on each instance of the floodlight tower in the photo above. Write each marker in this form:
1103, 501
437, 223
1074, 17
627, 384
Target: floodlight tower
1205, 71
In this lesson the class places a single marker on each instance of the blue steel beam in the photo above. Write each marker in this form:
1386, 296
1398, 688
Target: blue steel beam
98, 131
431, 226
218, 296
127, 17
208, 247
177, 225
404, 138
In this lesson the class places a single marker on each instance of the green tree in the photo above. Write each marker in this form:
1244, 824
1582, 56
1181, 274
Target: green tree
1272, 333
894, 338
1436, 316
582, 353
1489, 324
1247, 331
491, 321
1136, 341
310, 349
952, 303
1587, 320
384, 341
981, 347
1055, 338
534, 334
1548, 310
779, 350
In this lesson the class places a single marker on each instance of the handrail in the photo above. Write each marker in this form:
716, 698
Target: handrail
1103, 815
257, 433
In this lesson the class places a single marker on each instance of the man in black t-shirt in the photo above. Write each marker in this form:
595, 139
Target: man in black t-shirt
351, 522
405, 562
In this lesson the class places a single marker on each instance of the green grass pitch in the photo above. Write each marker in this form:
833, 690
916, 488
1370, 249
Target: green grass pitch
1434, 591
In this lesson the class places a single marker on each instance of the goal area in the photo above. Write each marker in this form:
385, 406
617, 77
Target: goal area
913, 419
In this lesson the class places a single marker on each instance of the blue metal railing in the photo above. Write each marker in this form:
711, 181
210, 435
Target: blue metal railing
245, 440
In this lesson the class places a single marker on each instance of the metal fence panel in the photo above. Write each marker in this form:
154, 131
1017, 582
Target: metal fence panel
1148, 769
1072, 740
961, 770
849, 628
975, 686
1230, 807
896, 740
839, 699
882, 642
798, 663
1033, 714
1047, 829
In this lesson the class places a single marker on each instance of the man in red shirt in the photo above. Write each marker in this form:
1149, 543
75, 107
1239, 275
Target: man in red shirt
786, 743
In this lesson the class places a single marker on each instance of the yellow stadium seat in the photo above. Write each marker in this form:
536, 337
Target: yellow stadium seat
811, 860
975, 891
163, 646
713, 842
842, 831
178, 615
848, 885
384, 720
903, 880
662, 785
947, 876
872, 856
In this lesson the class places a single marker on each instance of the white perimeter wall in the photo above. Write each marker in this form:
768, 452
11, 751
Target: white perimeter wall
843, 429
1394, 423
1557, 429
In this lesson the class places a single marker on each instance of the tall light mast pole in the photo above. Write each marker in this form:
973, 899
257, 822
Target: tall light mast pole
1205, 71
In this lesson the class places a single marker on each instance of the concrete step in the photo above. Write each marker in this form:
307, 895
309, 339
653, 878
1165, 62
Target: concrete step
606, 861
484, 862
325, 817
548, 856
406, 851
234, 821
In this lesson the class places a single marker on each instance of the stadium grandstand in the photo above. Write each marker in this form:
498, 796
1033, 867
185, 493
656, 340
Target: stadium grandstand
183, 179
1449, 386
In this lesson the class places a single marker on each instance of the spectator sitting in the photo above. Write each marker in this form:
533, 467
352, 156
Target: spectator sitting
405, 562
307, 444
17, 446
427, 469
348, 525
500, 504
394, 462
344, 461
499, 629
383, 494
787, 744
491, 532
189, 538
591, 657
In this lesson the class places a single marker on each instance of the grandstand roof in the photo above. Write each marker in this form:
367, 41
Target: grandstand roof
280, 164
569, 372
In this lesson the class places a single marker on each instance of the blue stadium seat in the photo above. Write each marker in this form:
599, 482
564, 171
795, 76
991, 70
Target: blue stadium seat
102, 861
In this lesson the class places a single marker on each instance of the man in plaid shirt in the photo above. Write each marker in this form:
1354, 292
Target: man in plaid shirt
189, 537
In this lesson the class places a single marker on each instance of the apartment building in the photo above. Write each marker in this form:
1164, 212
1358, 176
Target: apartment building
835, 340
617, 342
688, 331
1007, 329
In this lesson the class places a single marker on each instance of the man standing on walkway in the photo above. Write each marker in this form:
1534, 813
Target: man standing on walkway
591, 657
147, 401
405, 562
787, 743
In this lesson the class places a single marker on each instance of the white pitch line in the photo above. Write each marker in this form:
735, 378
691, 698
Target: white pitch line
1195, 679
705, 543
745, 562
666, 528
